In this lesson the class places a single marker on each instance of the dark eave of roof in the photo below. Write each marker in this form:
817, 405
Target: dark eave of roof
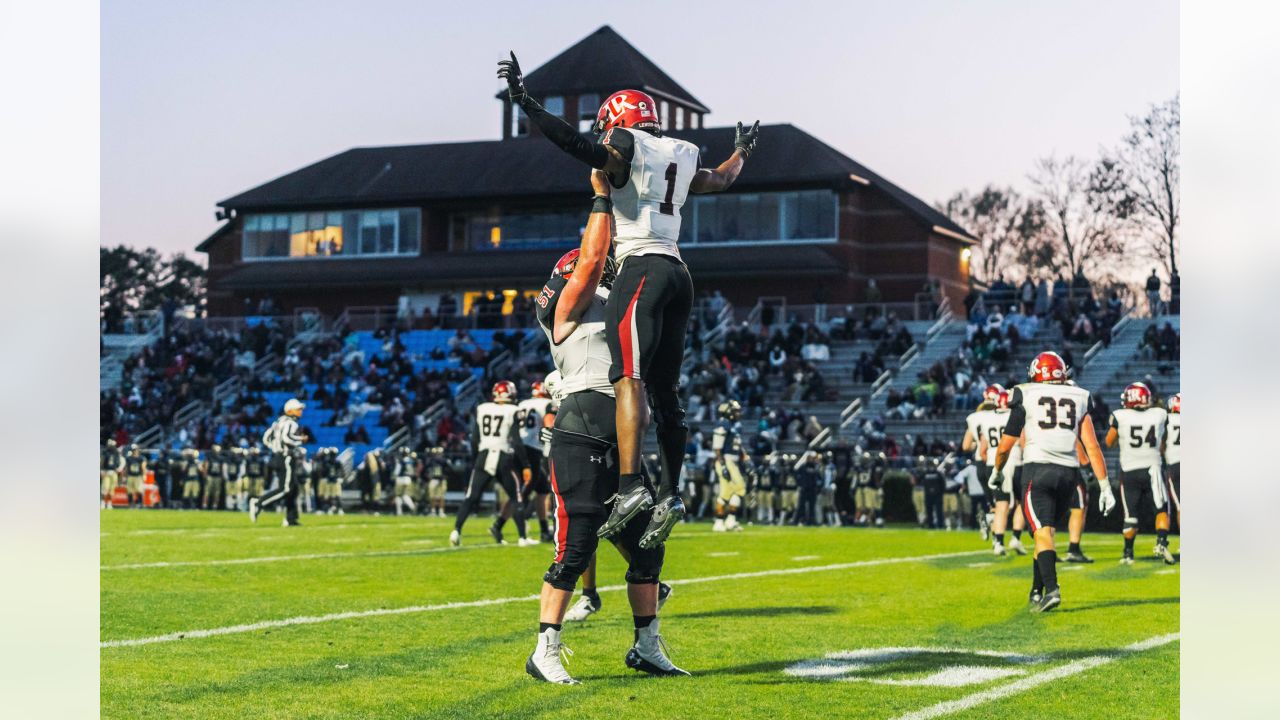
208, 242
522, 267
604, 62
534, 168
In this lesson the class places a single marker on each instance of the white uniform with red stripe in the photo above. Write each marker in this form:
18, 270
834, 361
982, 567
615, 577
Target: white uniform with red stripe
646, 210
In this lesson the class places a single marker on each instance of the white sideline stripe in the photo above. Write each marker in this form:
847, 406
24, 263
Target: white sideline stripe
1072, 668
312, 619
282, 558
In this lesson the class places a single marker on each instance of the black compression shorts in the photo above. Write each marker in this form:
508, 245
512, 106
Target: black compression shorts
1050, 491
1139, 494
1173, 481
646, 319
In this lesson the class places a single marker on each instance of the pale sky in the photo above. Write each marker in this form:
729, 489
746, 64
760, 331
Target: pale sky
201, 101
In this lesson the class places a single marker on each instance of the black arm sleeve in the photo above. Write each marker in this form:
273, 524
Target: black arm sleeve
565, 136
1017, 415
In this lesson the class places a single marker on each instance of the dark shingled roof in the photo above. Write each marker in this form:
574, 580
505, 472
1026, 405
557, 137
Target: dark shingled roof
530, 167
514, 266
604, 62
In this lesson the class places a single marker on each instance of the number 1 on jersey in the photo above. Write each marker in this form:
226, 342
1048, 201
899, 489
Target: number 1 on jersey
667, 207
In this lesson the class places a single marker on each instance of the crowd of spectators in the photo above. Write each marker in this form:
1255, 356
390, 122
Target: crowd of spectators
1074, 306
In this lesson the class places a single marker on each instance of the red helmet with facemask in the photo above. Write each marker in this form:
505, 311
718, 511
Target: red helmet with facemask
628, 109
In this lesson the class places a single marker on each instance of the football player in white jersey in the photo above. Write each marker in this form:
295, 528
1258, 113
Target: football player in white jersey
648, 310
1139, 429
971, 443
582, 469
990, 425
1173, 457
495, 437
537, 412
1054, 417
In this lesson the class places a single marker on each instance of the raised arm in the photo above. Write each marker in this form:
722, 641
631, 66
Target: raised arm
744, 143
578, 292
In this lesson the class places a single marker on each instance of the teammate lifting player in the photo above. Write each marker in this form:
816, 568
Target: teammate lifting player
582, 471
648, 310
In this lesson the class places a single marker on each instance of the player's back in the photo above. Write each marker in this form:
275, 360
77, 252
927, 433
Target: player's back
1140, 434
1054, 413
531, 412
646, 210
494, 422
1173, 439
989, 426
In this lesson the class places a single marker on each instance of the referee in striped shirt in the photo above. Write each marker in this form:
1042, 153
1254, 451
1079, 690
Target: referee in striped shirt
283, 438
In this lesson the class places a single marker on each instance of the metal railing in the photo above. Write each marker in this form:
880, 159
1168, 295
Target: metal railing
851, 412
395, 440
821, 440
150, 437
189, 411
499, 364
468, 394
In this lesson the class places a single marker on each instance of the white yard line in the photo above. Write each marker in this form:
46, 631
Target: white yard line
1072, 668
283, 558
313, 619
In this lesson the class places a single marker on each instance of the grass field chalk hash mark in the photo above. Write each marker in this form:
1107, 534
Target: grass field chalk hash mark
1020, 686
355, 614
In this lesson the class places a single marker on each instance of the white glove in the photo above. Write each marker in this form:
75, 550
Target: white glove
1106, 498
997, 480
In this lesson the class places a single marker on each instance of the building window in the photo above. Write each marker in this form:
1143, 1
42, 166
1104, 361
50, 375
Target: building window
680, 113
805, 216
588, 106
555, 105
519, 122
516, 230
347, 233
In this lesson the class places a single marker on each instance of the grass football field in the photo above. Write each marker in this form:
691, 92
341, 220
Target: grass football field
204, 615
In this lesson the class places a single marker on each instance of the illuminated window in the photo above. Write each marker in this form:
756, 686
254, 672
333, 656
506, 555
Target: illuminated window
332, 234
805, 216
554, 105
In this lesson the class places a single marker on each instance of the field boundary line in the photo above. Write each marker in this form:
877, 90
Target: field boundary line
1074, 667
282, 558
354, 614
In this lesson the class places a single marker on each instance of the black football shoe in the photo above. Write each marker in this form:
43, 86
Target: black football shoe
648, 654
626, 505
1037, 594
1051, 600
666, 515
1078, 557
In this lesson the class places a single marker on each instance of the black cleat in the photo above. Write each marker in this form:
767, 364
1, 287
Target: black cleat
1078, 557
1037, 595
496, 533
626, 506
658, 665
666, 515
1051, 600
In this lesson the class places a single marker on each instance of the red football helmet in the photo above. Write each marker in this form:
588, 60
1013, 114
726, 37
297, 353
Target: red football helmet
1002, 400
537, 390
628, 108
567, 262
1175, 403
1048, 367
992, 393
504, 391
1136, 395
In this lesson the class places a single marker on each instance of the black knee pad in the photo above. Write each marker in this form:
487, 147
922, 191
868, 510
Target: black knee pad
563, 577
646, 565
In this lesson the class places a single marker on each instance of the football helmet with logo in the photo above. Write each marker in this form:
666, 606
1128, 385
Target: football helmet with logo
1175, 403
569, 262
992, 393
1136, 395
628, 109
1048, 367
504, 391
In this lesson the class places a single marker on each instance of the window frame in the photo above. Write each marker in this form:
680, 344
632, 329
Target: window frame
347, 242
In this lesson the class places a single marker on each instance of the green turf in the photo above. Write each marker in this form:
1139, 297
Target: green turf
737, 635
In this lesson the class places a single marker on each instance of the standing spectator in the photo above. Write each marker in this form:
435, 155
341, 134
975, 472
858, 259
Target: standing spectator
1153, 293
1027, 295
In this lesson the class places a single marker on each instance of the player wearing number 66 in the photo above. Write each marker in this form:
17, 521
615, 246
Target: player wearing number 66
648, 310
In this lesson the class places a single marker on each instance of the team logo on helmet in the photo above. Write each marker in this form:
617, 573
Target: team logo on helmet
627, 108
504, 391
992, 393
1048, 367
1136, 395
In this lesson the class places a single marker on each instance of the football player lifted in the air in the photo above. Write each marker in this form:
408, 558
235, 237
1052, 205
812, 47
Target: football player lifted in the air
1139, 428
648, 309
582, 470
495, 436
1054, 416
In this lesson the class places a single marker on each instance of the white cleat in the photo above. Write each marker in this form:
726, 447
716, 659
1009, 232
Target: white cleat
1126, 560
998, 550
584, 609
548, 658
718, 525
254, 509
648, 654
455, 539
527, 541
1016, 545
1164, 554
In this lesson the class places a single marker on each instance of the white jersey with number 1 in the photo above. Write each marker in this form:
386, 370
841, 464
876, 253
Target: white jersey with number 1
646, 210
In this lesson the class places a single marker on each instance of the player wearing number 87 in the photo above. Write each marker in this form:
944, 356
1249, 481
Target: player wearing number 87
1139, 428
648, 310
500, 456
1052, 415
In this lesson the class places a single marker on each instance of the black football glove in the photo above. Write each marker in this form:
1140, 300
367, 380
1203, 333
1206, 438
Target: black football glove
544, 435
744, 140
509, 70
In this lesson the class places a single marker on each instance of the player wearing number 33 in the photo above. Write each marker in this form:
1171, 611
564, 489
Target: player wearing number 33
1139, 428
648, 309
1052, 415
